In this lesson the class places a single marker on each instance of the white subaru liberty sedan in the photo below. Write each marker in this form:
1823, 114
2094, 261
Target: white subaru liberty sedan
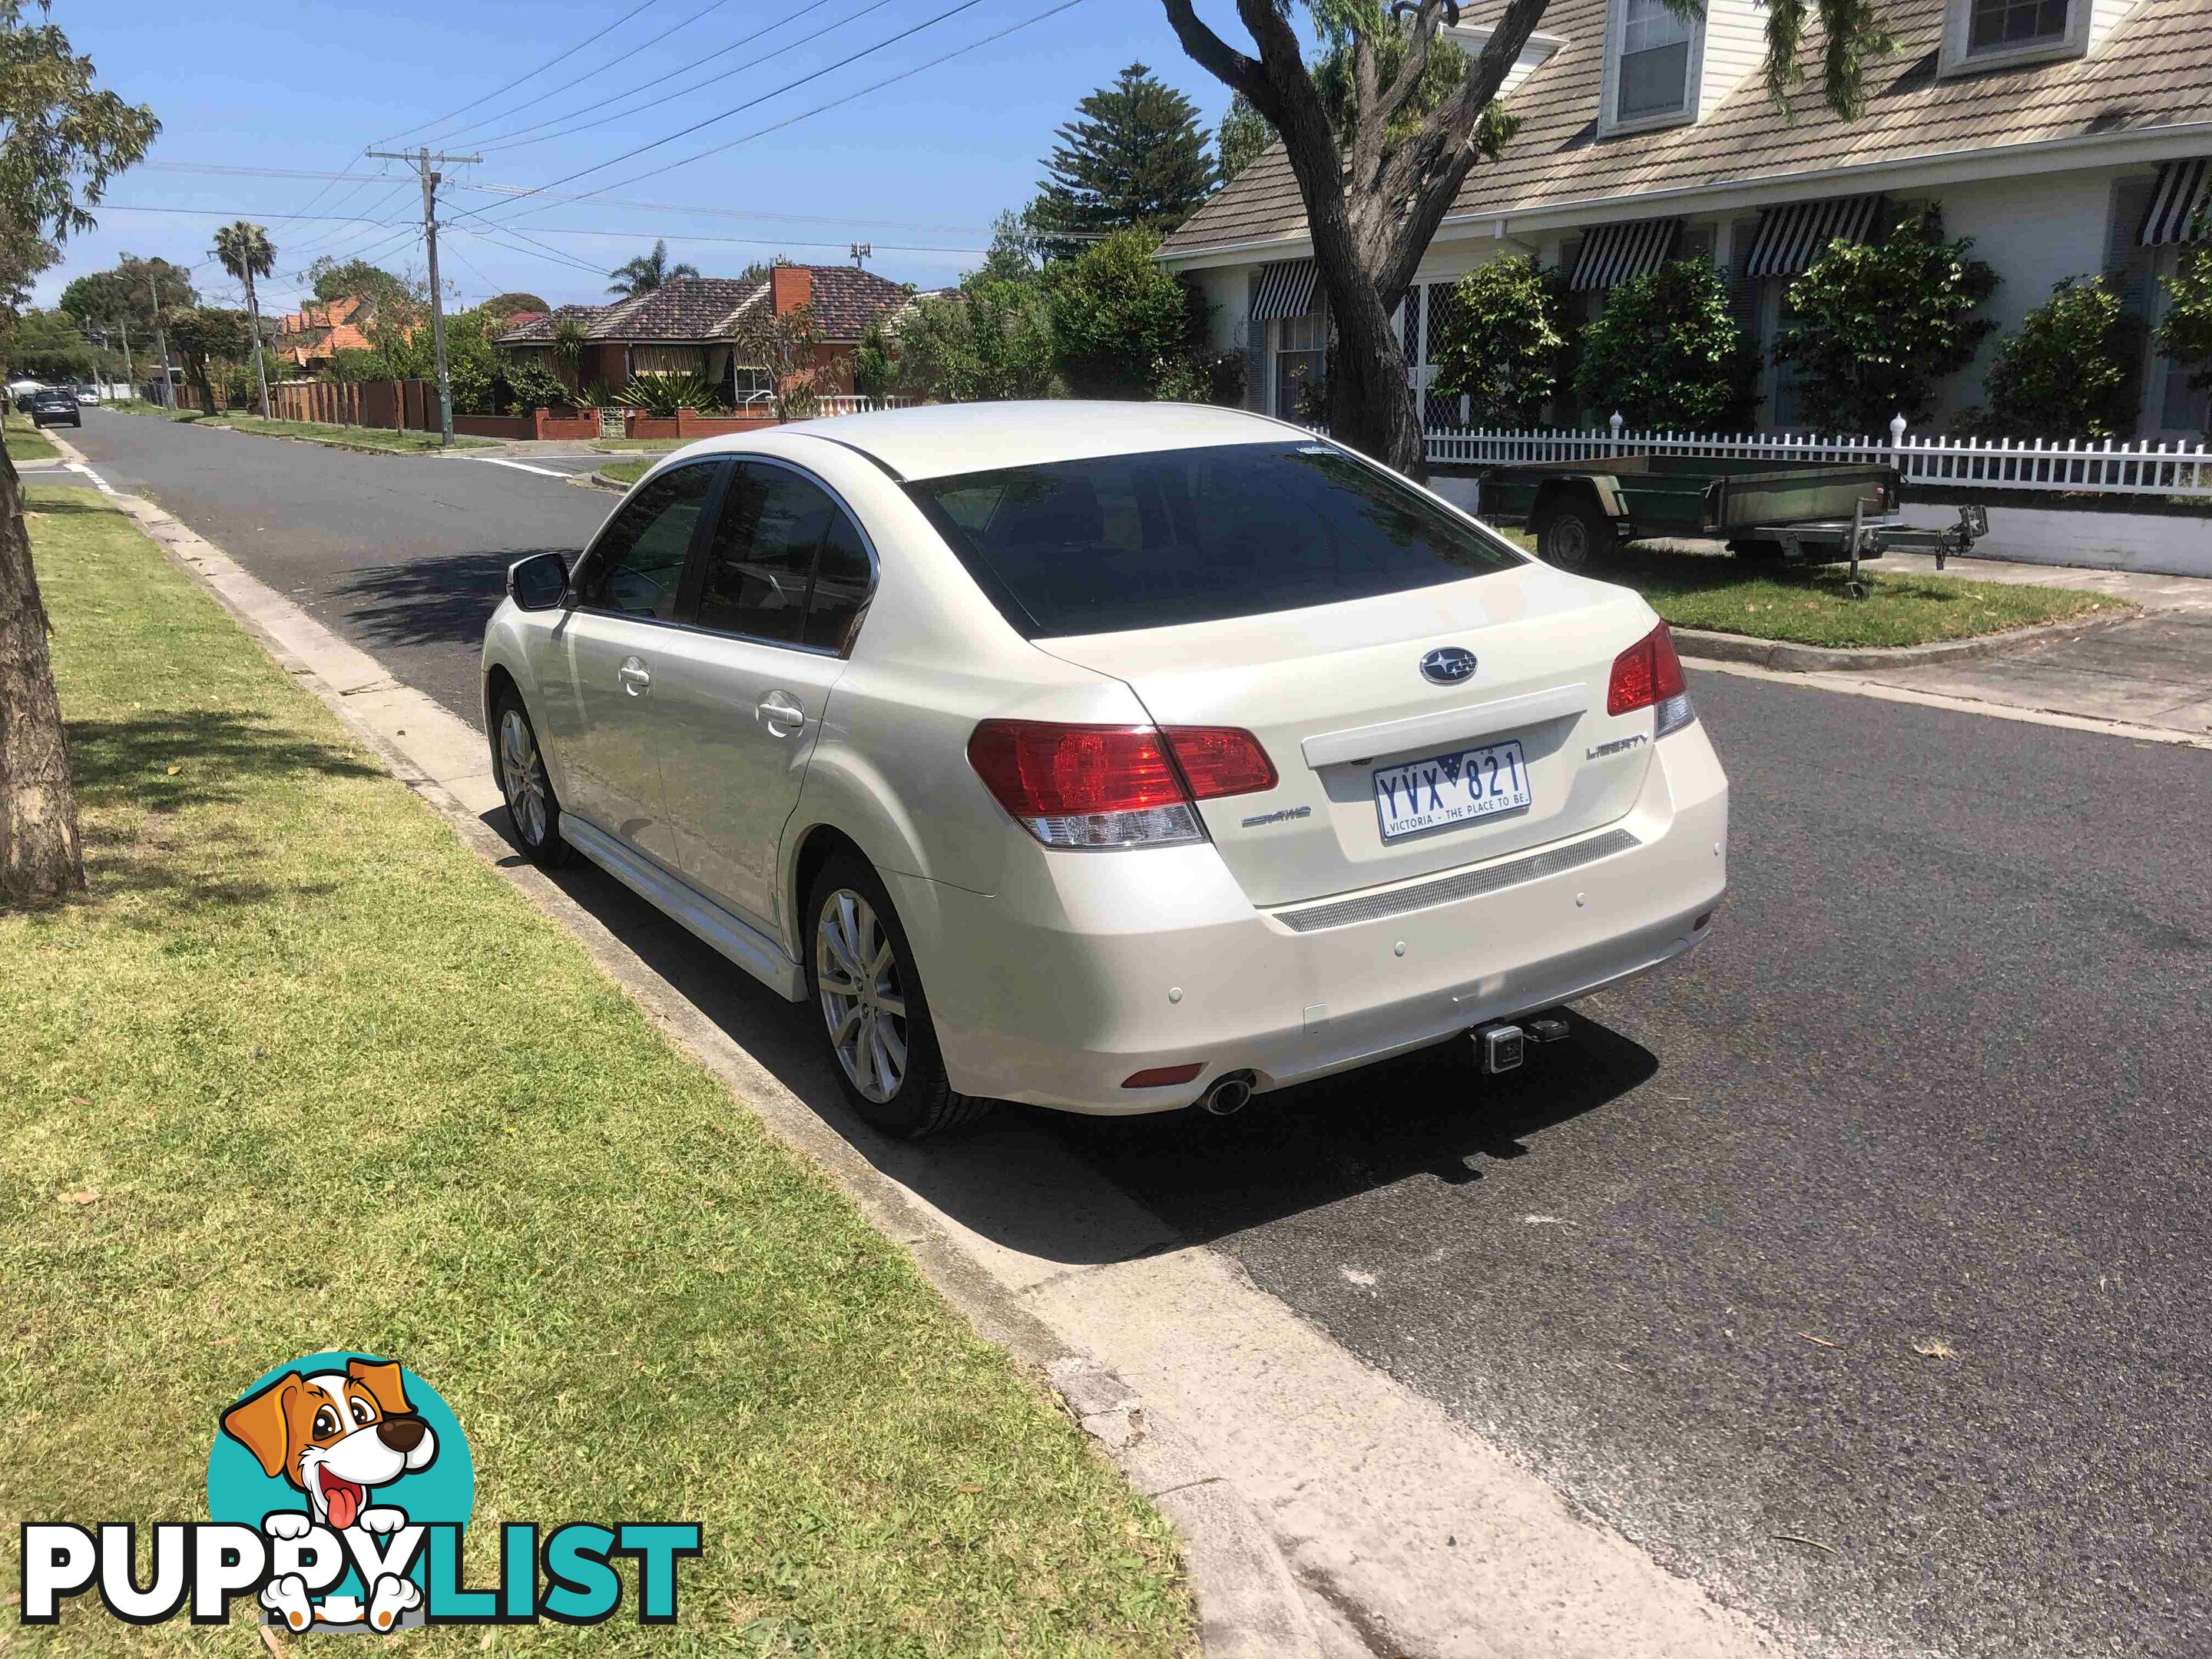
1109, 758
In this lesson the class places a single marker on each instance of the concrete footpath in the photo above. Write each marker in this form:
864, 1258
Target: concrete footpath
1327, 1509
2148, 676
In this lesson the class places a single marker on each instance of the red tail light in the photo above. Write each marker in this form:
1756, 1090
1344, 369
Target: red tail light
1039, 768
1648, 672
1220, 760
1114, 785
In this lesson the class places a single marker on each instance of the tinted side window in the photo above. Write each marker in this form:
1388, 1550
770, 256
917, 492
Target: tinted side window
637, 564
761, 566
841, 586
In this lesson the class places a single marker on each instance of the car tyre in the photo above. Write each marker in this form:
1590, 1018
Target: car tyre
861, 982
519, 765
1574, 537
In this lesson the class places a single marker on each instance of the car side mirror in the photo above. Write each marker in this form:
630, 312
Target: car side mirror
538, 582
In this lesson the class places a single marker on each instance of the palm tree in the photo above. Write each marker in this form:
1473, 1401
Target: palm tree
246, 253
646, 273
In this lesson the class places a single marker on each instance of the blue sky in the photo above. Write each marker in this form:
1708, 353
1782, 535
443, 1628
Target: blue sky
919, 168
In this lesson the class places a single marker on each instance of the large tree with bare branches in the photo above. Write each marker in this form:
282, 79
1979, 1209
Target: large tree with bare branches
1380, 150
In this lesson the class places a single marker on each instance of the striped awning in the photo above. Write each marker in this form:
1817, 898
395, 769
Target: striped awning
1613, 253
1789, 237
2180, 205
1285, 289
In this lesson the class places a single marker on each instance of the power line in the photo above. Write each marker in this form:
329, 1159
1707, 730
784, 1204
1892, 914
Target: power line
588, 74
762, 133
513, 191
682, 132
657, 93
601, 199
368, 223
500, 92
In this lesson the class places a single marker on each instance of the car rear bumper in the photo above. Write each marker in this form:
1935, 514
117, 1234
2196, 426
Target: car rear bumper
1088, 968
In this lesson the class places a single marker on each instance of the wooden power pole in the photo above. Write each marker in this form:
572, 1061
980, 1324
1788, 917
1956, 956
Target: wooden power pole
423, 158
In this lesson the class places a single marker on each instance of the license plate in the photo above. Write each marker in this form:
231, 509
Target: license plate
1468, 783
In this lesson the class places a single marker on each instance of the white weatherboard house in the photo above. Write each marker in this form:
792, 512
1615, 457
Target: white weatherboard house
2067, 137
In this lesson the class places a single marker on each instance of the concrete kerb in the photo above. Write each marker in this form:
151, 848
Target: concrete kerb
1326, 1510
1785, 658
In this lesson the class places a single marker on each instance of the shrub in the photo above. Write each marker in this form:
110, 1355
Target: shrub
661, 394
989, 340
1879, 323
2071, 370
1122, 326
1667, 352
1503, 343
530, 387
2185, 332
785, 347
875, 364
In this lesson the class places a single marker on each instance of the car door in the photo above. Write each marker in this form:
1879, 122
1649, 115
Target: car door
607, 732
785, 573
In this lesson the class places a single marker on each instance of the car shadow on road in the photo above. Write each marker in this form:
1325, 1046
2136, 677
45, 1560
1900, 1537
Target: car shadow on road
1077, 1191
430, 601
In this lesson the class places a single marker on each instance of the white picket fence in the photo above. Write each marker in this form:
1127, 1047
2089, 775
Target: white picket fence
2127, 469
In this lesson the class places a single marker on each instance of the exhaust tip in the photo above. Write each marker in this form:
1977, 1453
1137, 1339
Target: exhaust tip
1229, 1095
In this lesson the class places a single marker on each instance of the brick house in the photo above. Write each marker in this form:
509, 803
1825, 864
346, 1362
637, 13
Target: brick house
687, 326
2066, 137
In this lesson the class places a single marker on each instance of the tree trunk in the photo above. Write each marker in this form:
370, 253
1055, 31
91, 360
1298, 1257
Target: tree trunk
1370, 397
196, 371
40, 856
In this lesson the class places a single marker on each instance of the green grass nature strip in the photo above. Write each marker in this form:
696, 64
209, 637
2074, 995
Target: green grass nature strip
302, 1071
347, 437
25, 442
629, 471
1808, 606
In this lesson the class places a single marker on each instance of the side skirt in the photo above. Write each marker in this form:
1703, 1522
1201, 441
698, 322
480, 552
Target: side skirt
740, 941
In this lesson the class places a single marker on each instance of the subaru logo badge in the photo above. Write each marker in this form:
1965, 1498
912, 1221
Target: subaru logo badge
1448, 665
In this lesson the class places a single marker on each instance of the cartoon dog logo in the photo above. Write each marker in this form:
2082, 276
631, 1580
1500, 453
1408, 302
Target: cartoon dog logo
335, 1436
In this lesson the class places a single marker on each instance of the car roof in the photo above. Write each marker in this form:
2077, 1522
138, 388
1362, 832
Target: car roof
941, 439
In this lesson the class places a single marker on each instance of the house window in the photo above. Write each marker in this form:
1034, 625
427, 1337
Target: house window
1301, 360
1985, 34
2000, 25
1655, 61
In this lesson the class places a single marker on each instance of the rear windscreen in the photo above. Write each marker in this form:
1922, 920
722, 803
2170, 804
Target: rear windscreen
1126, 542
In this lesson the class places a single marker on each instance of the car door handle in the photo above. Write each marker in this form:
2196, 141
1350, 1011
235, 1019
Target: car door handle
782, 716
634, 677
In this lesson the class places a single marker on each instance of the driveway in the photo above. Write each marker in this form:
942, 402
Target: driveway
1860, 1268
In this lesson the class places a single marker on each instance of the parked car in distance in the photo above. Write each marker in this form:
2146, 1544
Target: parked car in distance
1109, 758
87, 396
55, 405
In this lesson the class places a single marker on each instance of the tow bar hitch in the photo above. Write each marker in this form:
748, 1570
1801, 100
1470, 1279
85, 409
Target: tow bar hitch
1502, 1047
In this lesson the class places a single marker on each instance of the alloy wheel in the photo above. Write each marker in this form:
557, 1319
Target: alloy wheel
856, 970
522, 777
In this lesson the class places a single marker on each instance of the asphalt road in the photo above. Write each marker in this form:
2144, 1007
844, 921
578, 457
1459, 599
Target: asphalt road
1857, 1267
403, 555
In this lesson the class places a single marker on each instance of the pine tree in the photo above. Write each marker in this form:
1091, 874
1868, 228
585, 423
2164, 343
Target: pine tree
1136, 155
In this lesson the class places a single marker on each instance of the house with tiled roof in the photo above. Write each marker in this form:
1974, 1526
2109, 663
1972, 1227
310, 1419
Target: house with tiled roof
2066, 137
689, 325
310, 337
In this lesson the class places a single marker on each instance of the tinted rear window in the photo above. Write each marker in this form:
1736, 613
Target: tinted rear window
1126, 542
